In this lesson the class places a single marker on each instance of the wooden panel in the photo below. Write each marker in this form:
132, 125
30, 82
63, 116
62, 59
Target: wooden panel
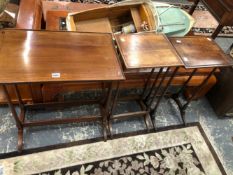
221, 95
35, 56
136, 18
53, 19
67, 6
24, 90
29, 15
229, 3
101, 25
147, 50
216, 8
147, 16
197, 52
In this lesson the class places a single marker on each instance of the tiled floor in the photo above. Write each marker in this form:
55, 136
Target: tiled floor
219, 131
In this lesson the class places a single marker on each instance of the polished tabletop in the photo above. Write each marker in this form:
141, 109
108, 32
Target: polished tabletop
200, 51
42, 56
147, 50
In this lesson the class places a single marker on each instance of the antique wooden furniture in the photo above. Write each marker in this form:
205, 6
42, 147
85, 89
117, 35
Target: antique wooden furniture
222, 10
221, 95
152, 51
112, 18
198, 52
35, 57
28, 19
53, 23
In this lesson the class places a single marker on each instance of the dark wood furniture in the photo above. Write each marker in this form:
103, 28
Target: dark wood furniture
35, 57
29, 17
53, 23
147, 50
198, 52
222, 10
221, 95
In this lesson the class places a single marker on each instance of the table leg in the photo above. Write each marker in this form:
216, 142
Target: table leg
153, 85
183, 108
156, 92
193, 7
176, 95
147, 82
19, 123
107, 109
217, 31
198, 89
164, 91
21, 104
114, 103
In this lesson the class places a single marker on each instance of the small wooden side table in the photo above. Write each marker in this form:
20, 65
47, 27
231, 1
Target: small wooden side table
198, 52
147, 50
34, 57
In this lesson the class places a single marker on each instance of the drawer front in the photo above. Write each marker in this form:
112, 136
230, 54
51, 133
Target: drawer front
216, 8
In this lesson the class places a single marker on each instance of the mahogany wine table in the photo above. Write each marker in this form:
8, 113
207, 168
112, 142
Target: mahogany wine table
198, 52
30, 57
147, 50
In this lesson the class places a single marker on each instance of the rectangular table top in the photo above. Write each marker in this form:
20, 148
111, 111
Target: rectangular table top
147, 50
42, 56
200, 52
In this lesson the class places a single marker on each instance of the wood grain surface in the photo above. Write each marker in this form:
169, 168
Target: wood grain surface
199, 51
147, 50
42, 56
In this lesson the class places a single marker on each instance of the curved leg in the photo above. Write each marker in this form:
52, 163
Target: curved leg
20, 140
148, 122
105, 133
110, 128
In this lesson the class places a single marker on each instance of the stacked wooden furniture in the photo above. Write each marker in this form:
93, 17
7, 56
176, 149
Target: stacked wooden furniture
42, 57
222, 10
30, 17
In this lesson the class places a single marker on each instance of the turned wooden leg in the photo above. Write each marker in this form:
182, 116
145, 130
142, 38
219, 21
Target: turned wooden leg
193, 7
20, 140
217, 31
149, 123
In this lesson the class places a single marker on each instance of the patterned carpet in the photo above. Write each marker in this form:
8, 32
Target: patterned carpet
181, 151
